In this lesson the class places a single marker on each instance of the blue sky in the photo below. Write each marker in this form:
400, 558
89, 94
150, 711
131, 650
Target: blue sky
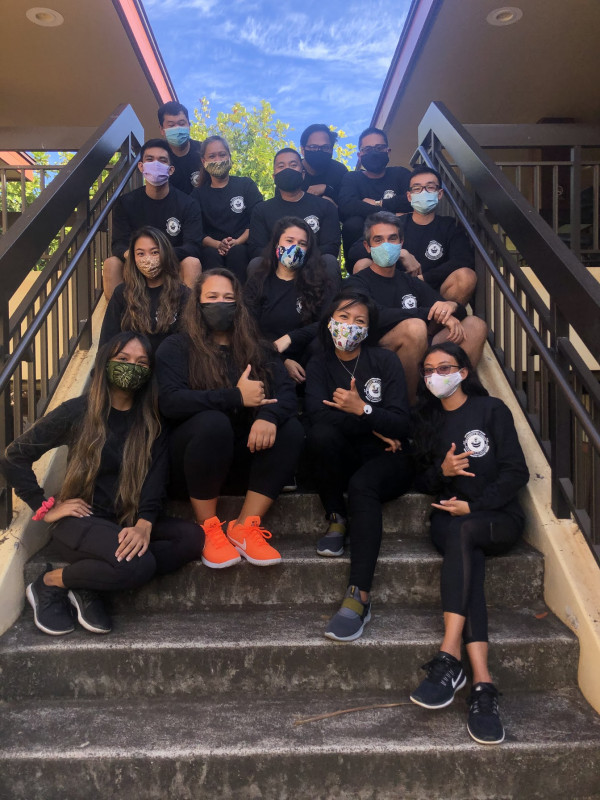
316, 61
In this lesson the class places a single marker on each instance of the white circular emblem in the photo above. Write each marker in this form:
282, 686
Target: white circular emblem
237, 204
409, 301
313, 222
195, 178
373, 390
434, 250
477, 442
299, 305
388, 194
173, 226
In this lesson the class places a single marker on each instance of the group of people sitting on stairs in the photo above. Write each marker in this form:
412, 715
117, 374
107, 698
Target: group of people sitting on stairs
231, 348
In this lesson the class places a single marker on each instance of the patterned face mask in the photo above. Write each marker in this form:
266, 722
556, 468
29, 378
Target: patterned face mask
291, 257
149, 266
127, 376
218, 168
346, 335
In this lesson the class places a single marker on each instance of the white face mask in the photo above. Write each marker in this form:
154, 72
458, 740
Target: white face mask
442, 386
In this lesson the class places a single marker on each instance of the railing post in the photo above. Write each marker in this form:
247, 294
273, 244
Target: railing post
575, 189
84, 283
561, 428
6, 420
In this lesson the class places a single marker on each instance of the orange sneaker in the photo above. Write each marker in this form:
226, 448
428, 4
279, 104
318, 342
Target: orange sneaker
217, 552
249, 540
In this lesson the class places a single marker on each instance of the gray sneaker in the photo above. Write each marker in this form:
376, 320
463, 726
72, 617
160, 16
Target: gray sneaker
332, 544
348, 623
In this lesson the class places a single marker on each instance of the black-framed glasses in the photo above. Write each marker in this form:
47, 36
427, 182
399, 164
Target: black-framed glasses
429, 187
378, 148
443, 369
319, 148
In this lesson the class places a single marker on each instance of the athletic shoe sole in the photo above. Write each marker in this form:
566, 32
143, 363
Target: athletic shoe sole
221, 564
258, 562
33, 604
418, 702
331, 553
81, 619
483, 741
352, 637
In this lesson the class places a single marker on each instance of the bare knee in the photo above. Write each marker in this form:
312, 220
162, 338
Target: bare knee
112, 275
190, 270
459, 285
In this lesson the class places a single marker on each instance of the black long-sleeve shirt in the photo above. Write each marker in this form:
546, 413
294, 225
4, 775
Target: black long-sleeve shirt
398, 297
485, 426
332, 177
112, 322
177, 215
440, 247
178, 400
380, 382
226, 210
390, 189
62, 427
277, 308
317, 212
187, 168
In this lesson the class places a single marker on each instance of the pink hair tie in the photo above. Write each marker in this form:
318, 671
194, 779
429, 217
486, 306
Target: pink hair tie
44, 509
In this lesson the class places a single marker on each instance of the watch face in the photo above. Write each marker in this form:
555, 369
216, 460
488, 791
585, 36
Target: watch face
367, 409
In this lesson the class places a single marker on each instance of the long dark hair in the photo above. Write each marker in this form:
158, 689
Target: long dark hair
90, 437
136, 316
203, 176
207, 367
345, 299
428, 414
311, 279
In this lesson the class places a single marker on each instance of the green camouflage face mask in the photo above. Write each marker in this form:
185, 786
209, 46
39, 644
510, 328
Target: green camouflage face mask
127, 376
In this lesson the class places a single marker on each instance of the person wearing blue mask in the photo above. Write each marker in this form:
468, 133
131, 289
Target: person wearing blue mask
160, 206
174, 122
443, 257
411, 313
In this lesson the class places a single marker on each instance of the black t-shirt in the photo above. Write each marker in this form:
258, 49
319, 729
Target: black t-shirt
398, 297
380, 383
440, 247
332, 178
483, 425
390, 189
319, 213
226, 211
177, 215
112, 322
187, 168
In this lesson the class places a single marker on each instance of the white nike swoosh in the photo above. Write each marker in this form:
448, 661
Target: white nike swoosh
240, 544
455, 682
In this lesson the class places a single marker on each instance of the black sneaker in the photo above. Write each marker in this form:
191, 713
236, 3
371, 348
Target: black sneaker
90, 611
51, 610
445, 676
332, 544
484, 723
348, 623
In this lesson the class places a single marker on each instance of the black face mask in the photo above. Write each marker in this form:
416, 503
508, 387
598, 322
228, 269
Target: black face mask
218, 316
288, 180
319, 161
375, 162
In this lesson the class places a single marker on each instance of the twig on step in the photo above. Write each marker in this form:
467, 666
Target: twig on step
348, 711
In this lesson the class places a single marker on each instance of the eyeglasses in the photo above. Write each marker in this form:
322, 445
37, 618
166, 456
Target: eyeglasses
429, 187
319, 148
443, 369
379, 148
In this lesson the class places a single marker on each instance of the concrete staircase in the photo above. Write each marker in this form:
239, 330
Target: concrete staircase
200, 689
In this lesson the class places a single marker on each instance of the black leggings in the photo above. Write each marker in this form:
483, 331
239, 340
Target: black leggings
207, 454
89, 545
371, 476
465, 541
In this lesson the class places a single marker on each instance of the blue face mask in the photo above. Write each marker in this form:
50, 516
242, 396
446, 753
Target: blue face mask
177, 137
386, 254
424, 202
291, 257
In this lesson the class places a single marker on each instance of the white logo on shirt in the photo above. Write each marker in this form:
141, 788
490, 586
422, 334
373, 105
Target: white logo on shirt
195, 178
373, 390
434, 250
173, 226
409, 301
477, 442
299, 305
237, 204
313, 222
388, 194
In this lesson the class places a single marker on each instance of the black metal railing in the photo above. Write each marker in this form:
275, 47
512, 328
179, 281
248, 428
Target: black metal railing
70, 219
533, 331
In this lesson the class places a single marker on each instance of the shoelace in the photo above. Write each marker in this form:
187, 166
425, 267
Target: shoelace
51, 595
437, 669
214, 532
484, 701
254, 531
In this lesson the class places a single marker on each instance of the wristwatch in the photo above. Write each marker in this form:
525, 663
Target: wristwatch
367, 409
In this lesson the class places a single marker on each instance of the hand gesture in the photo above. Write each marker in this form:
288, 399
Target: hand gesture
347, 400
134, 541
456, 464
442, 310
295, 370
456, 508
262, 435
253, 392
76, 507
395, 445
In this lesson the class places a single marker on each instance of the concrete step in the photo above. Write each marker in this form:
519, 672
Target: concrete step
270, 650
408, 573
238, 747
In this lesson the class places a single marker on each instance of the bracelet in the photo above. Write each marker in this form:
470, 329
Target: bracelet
44, 509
